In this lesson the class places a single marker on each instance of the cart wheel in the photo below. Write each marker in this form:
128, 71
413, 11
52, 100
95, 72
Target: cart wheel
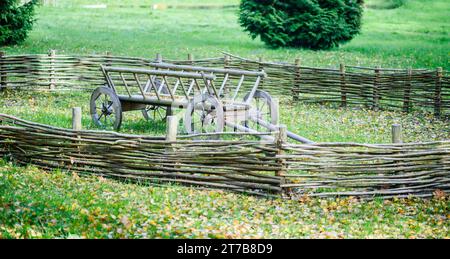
157, 113
204, 114
264, 108
106, 110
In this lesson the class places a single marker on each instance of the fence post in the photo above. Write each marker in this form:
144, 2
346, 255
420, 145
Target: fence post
171, 133
159, 58
280, 139
438, 93
276, 106
76, 118
52, 54
191, 59
376, 89
407, 96
296, 91
397, 133
171, 128
261, 65
76, 125
108, 58
226, 61
261, 68
226, 65
343, 86
3, 73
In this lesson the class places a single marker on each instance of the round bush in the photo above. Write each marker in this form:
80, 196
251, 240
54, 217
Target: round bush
313, 24
16, 20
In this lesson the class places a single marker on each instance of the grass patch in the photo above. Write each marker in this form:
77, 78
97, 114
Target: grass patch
415, 35
329, 123
38, 204
321, 123
145, 3
385, 4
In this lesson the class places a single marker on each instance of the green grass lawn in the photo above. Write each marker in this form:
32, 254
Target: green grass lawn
36, 204
320, 123
416, 34
146, 3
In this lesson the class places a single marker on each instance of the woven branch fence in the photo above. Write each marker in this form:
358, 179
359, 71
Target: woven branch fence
257, 167
376, 88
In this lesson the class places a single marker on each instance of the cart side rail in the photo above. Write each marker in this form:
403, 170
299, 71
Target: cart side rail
168, 85
231, 84
159, 72
236, 72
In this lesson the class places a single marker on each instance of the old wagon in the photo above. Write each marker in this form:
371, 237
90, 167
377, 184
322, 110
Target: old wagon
213, 98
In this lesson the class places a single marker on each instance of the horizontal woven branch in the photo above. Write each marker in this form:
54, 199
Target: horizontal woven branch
376, 88
257, 167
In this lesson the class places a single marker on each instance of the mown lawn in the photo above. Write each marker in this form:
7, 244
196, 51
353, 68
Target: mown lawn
38, 204
416, 34
320, 123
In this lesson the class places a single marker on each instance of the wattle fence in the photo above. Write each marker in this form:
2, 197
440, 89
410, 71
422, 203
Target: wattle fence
258, 167
377, 88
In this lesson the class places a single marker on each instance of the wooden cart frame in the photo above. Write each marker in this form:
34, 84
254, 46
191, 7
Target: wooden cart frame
157, 91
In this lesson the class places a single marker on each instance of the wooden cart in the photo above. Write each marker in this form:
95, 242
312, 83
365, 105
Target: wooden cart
236, 103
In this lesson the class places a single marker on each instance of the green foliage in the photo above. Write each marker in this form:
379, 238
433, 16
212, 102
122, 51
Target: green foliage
16, 20
313, 24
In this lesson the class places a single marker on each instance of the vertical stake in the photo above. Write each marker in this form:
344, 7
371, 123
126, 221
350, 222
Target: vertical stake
438, 93
191, 58
343, 86
376, 89
407, 95
171, 134
276, 107
108, 58
76, 118
52, 54
76, 124
397, 133
226, 64
3, 75
159, 58
297, 80
280, 139
261, 68
171, 128
226, 61
260, 63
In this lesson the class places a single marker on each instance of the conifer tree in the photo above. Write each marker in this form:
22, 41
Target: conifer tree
313, 24
16, 20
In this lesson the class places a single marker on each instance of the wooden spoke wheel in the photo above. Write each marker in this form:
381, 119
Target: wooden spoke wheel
106, 110
263, 108
157, 113
204, 114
